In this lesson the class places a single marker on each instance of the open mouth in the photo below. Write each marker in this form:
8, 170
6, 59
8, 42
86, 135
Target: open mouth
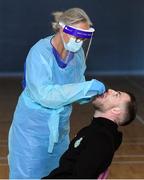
103, 95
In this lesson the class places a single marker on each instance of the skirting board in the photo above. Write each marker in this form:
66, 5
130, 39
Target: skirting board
87, 73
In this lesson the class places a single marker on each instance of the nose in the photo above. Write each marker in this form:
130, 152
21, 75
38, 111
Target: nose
111, 91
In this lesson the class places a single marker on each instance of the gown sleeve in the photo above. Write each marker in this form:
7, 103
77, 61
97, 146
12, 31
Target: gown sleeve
42, 89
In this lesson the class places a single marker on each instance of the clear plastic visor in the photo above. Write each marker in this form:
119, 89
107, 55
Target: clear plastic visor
80, 35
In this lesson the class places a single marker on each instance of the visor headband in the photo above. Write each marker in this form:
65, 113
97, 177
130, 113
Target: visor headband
77, 32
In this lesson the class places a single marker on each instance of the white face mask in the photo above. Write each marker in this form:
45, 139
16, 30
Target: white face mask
72, 45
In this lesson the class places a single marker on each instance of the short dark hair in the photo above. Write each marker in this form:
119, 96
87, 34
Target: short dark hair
131, 108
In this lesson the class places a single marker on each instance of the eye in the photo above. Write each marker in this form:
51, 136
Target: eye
118, 93
80, 39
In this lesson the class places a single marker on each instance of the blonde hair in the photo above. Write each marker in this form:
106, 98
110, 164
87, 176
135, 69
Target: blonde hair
69, 17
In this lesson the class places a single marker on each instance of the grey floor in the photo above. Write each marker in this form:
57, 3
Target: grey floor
128, 162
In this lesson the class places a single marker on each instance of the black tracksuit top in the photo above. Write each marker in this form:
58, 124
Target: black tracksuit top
90, 152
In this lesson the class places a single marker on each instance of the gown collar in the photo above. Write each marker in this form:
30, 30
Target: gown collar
61, 63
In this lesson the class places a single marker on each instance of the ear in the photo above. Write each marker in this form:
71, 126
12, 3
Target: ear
116, 110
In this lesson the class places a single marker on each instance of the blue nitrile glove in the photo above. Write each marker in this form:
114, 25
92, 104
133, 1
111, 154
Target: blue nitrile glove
98, 87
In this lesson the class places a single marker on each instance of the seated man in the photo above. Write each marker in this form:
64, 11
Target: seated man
91, 152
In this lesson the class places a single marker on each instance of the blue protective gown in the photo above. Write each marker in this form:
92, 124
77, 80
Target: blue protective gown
39, 133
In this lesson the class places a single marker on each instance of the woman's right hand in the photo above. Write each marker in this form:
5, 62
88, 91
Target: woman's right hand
97, 86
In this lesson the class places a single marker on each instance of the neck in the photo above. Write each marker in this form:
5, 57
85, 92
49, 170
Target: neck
58, 45
106, 115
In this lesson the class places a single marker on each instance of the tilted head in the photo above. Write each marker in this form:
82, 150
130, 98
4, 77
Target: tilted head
74, 26
119, 106
70, 17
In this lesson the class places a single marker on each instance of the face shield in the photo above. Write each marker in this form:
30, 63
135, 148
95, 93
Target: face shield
79, 37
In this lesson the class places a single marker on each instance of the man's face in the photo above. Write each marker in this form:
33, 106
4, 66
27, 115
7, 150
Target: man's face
110, 99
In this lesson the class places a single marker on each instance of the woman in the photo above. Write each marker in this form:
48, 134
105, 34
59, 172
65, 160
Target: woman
55, 68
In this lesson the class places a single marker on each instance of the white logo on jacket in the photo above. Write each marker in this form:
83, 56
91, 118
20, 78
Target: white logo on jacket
77, 143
